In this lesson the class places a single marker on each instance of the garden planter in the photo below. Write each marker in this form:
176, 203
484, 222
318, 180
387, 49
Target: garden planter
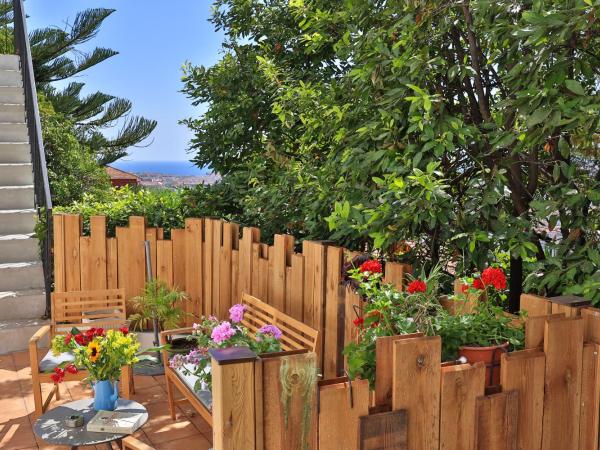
488, 355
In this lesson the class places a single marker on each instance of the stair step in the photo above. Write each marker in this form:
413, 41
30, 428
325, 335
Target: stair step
15, 248
12, 95
16, 174
15, 152
15, 334
22, 304
11, 78
16, 197
21, 276
14, 132
17, 221
12, 113
9, 62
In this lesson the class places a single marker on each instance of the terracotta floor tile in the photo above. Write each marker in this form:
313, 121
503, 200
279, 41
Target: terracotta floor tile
149, 395
142, 382
196, 442
21, 359
7, 362
16, 434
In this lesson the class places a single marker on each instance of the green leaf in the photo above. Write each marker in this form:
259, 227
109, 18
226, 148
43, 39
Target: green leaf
575, 87
538, 116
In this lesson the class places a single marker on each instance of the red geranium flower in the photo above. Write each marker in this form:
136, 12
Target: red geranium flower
99, 332
68, 338
478, 284
124, 330
494, 276
80, 339
71, 369
359, 321
416, 286
56, 378
464, 288
371, 266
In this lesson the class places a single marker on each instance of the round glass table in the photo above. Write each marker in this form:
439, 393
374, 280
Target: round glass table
51, 426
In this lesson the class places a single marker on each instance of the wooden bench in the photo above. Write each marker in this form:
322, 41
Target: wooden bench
296, 336
83, 310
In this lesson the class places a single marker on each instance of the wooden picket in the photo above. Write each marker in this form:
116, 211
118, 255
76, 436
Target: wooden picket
214, 265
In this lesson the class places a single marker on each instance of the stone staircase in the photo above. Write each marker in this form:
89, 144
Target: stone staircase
22, 298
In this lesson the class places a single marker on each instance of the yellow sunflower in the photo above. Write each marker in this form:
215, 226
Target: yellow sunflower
93, 351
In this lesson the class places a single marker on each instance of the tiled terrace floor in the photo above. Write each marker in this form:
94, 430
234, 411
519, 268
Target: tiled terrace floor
188, 432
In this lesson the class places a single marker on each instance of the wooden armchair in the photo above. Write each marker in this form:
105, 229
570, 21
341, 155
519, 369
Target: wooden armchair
296, 336
82, 309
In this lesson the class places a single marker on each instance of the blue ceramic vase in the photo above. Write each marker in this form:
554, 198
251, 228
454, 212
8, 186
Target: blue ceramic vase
106, 395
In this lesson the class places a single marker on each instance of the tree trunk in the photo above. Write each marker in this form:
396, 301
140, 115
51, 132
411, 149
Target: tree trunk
516, 284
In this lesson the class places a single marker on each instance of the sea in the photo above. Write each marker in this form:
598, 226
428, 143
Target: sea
177, 168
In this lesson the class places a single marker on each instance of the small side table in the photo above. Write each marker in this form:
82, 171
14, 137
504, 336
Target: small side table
51, 427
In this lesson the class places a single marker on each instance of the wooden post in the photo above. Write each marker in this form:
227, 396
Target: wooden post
497, 421
234, 413
590, 398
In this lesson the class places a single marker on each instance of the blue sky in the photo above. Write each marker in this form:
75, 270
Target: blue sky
153, 42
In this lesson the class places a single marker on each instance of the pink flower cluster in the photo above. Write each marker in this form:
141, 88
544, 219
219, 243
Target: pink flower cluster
236, 313
271, 330
222, 332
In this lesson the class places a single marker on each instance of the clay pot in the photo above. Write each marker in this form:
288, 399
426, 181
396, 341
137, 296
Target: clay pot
490, 356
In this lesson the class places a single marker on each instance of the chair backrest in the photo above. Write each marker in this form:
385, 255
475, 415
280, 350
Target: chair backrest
296, 335
86, 309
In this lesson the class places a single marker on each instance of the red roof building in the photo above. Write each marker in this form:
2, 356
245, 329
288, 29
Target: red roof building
119, 178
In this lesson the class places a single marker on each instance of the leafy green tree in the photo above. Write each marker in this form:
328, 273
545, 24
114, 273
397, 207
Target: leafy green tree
56, 57
458, 127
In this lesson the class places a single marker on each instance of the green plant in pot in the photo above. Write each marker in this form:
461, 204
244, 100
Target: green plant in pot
386, 311
485, 333
159, 305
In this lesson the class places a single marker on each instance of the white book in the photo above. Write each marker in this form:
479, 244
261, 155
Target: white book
117, 422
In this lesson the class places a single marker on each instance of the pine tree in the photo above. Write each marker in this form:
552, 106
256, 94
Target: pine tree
56, 57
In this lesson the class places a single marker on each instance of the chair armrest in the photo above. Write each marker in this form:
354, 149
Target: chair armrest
39, 335
166, 333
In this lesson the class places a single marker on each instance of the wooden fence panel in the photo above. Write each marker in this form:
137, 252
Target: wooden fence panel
340, 409
416, 388
249, 237
131, 256
461, 386
216, 270
524, 372
59, 252
332, 353
534, 330
589, 427
225, 292
164, 261
395, 273
235, 276
535, 305
563, 346
193, 269
207, 261
591, 320
178, 240
112, 264
296, 282
72, 232
282, 252
384, 354
497, 421
93, 256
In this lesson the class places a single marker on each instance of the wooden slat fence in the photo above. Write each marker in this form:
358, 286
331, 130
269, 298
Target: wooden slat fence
214, 262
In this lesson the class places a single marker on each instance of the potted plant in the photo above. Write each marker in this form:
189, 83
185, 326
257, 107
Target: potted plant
486, 331
386, 311
102, 354
159, 305
211, 333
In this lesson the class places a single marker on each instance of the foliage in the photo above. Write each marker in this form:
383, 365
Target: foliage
460, 127
158, 302
162, 208
389, 312
73, 169
212, 333
102, 353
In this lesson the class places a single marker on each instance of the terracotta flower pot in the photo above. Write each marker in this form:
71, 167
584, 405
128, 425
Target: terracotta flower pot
488, 355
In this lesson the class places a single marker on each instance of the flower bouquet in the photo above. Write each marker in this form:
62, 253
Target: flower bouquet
102, 353
212, 333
